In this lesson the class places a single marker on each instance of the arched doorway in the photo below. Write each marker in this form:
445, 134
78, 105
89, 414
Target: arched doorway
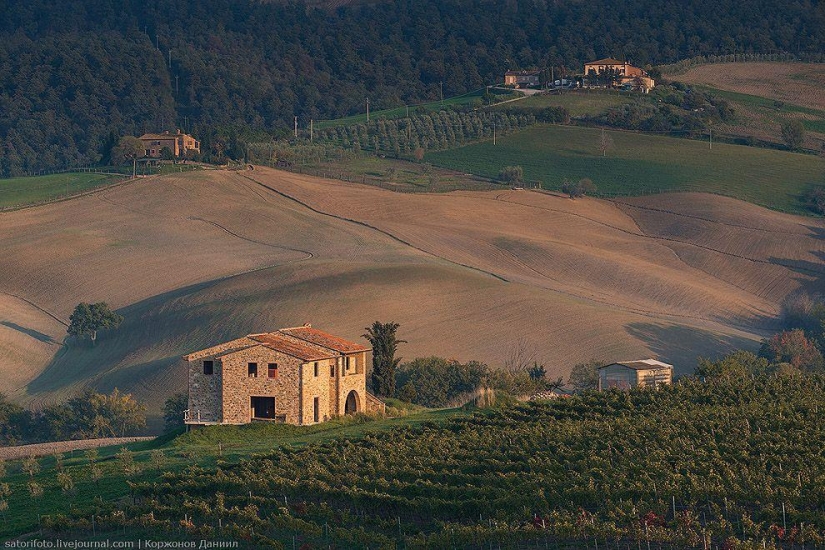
353, 404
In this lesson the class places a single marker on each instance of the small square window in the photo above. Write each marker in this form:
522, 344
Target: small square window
208, 367
272, 370
252, 370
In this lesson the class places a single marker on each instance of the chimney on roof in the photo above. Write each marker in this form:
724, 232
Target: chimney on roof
308, 325
166, 132
177, 131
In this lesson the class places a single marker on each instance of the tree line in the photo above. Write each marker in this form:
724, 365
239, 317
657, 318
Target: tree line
85, 416
74, 77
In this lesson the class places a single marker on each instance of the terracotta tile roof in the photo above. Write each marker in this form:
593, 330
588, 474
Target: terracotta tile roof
305, 343
222, 349
159, 136
321, 338
606, 61
292, 346
641, 364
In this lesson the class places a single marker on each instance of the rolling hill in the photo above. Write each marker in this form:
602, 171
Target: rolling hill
194, 258
765, 95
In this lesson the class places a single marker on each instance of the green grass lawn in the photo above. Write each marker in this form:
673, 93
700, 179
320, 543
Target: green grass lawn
640, 164
204, 447
578, 103
34, 189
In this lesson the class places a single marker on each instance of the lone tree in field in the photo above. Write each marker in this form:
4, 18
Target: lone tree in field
87, 319
793, 134
605, 142
384, 362
129, 148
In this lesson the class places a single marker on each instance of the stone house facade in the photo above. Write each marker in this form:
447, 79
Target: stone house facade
297, 375
178, 143
624, 73
522, 79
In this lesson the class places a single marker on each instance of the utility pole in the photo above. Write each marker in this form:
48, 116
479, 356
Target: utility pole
494, 132
310, 130
441, 88
296, 126
157, 43
176, 85
368, 109
710, 146
170, 58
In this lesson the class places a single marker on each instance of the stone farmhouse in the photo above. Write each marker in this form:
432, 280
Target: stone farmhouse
297, 375
178, 143
522, 79
626, 75
643, 373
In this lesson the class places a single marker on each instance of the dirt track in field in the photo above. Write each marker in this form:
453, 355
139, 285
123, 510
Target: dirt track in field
47, 449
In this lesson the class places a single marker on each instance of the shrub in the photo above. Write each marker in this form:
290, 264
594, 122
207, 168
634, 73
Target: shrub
815, 199
173, 411
578, 189
511, 174
793, 347
793, 133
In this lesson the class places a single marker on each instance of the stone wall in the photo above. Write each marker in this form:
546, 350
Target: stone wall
238, 387
352, 379
312, 387
205, 391
225, 396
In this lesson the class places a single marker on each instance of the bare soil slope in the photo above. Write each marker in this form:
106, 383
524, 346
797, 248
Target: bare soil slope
196, 258
797, 83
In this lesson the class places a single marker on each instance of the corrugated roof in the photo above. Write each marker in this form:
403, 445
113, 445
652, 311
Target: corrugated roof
606, 61
292, 346
321, 338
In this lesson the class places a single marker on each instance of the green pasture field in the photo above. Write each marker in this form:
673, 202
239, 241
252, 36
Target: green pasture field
578, 103
33, 189
641, 164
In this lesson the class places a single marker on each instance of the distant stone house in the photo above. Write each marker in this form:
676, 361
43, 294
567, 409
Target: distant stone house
179, 144
522, 79
297, 375
643, 373
625, 74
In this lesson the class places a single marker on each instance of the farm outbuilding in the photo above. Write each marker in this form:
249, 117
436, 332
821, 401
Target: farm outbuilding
642, 373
